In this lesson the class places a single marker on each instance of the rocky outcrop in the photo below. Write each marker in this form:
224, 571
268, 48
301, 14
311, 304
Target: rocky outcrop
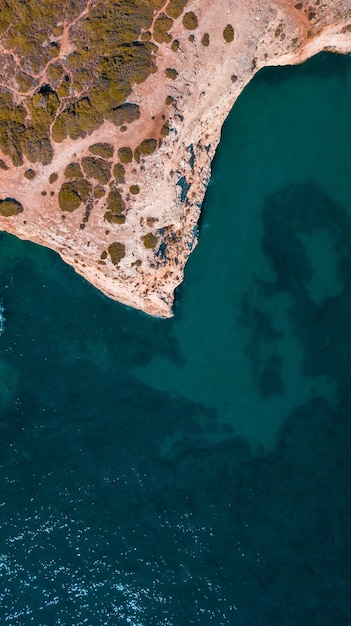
121, 202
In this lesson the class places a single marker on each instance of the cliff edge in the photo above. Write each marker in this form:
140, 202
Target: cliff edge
110, 115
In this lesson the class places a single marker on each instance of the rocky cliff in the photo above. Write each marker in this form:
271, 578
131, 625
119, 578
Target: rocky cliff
110, 115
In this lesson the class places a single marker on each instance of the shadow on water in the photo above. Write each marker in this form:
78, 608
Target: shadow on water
322, 66
119, 502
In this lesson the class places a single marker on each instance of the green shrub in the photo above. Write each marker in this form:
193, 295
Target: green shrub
134, 189
113, 218
104, 150
72, 194
148, 146
150, 240
115, 202
162, 27
175, 8
171, 73
99, 192
119, 172
190, 21
73, 170
30, 174
69, 199
228, 33
205, 39
10, 207
116, 251
97, 168
125, 154
124, 114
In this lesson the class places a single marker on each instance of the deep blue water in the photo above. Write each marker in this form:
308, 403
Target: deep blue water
194, 470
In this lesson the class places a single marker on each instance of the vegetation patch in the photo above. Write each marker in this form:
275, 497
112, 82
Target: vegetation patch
119, 173
3, 165
175, 45
104, 150
97, 168
53, 178
73, 170
134, 189
124, 114
175, 8
169, 100
150, 240
171, 73
30, 174
147, 147
111, 218
205, 40
116, 251
125, 154
190, 21
9, 207
69, 198
115, 202
165, 130
112, 51
228, 33
162, 27
99, 192
72, 193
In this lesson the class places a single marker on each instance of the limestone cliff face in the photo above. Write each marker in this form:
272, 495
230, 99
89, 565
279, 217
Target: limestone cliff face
121, 203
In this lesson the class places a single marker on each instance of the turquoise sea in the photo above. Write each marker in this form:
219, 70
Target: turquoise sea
194, 471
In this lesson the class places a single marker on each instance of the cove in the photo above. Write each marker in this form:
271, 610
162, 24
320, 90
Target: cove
270, 254
194, 470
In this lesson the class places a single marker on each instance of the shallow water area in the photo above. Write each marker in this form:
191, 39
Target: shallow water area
194, 470
283, 145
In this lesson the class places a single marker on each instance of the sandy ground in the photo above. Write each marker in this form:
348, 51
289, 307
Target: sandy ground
209, 80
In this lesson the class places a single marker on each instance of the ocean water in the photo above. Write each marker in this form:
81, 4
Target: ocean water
194, 470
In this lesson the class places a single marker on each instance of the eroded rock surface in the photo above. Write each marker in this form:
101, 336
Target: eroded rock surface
110, 114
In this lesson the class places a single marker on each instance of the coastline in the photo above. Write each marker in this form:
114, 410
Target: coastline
172, 180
